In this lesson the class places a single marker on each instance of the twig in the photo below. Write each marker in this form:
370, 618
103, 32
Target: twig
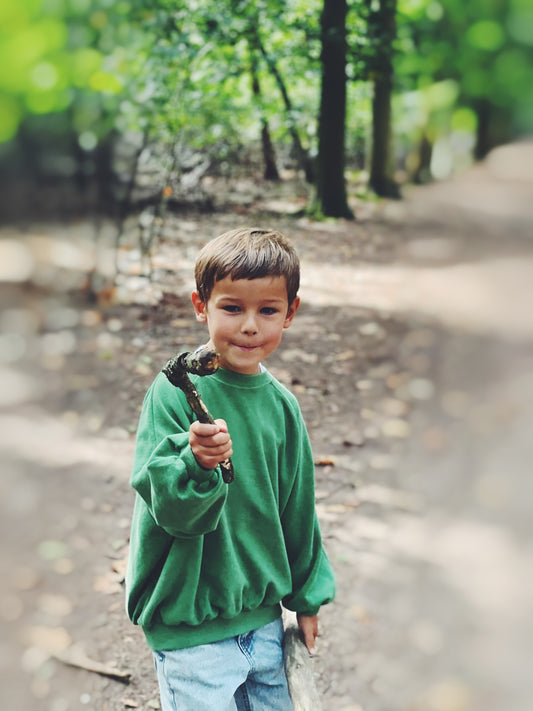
75, 657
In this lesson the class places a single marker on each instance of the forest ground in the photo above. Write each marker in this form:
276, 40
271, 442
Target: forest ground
412, 358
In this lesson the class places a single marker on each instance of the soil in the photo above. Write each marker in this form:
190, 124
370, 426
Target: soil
412, 359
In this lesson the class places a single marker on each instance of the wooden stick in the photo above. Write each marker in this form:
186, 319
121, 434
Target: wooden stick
204, 361
75, 657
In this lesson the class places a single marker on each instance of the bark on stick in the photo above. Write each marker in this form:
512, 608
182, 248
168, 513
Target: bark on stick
202, 362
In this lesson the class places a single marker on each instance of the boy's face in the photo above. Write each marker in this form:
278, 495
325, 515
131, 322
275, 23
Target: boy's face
246, 318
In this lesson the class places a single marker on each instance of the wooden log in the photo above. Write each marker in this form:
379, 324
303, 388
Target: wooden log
299, 667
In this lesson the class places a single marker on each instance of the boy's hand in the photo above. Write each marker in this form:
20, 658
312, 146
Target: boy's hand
210, 444
309, 627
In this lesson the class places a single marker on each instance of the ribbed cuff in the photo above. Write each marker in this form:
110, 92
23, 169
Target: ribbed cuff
194, 470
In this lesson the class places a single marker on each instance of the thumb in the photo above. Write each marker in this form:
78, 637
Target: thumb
309, 639
222, 425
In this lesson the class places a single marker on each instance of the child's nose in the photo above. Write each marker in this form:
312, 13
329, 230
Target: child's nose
249, 325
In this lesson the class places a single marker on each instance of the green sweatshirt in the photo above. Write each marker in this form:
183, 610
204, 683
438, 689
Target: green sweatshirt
210, 560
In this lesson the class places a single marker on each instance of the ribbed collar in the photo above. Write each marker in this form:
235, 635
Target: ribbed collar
238, 380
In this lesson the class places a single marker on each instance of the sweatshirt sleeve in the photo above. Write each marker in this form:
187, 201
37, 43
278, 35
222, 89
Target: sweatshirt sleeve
313, 581
183, 498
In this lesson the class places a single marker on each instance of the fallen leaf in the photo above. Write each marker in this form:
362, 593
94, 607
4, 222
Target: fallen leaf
393, 407
345, 355
395, 380
355, 439
396, 428
434, 439
91, 317
381, 462
447, 695
370, 329
12, 608
106, 296
368, 414
119, 567
295, 354
340, 508
325, 462
456, 403
51, 550
359, 612
55, 605
182, 323
24, 578
143, 369
109, 583
118, 544
63, 566
421, 388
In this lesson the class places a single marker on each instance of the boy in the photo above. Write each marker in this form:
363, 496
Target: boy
211, 562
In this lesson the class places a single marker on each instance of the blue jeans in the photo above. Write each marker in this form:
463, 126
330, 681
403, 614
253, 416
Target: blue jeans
244, 673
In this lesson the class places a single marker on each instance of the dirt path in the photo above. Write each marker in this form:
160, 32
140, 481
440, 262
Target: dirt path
412, 360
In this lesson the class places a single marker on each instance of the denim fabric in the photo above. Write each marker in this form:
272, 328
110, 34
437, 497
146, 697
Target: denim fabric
244, 673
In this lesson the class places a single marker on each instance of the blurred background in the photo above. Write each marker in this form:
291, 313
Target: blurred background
95, 93
391, 140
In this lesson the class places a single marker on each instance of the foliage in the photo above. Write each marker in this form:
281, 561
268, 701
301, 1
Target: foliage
70, 56
180, 72
454, 59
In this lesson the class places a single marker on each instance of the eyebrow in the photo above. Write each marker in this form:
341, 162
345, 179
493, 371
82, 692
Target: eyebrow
273, 300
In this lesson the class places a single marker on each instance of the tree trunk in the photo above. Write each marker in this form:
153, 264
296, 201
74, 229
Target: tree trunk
382, 25
331, 199
494, 127
422, 172
269, 154
302, 156
484, 141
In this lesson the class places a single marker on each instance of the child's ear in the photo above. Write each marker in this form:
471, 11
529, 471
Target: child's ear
291, 312
199, 307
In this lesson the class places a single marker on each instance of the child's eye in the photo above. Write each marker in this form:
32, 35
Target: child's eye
269, 310
231, 308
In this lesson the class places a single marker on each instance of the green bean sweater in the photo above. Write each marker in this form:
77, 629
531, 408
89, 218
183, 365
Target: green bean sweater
210, 560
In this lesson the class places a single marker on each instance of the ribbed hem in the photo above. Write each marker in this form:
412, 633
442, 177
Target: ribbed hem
161, 637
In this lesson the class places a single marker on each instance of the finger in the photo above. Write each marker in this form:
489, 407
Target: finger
208, 461
217, 442
221, 439
211, 445
202, 429
309, 639
309, 627
216, 452
312, 650
222, 425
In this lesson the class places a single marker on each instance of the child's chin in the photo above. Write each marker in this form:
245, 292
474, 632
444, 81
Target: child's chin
244, 367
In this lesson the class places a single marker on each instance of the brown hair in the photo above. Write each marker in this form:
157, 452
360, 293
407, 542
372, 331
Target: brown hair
247, 253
